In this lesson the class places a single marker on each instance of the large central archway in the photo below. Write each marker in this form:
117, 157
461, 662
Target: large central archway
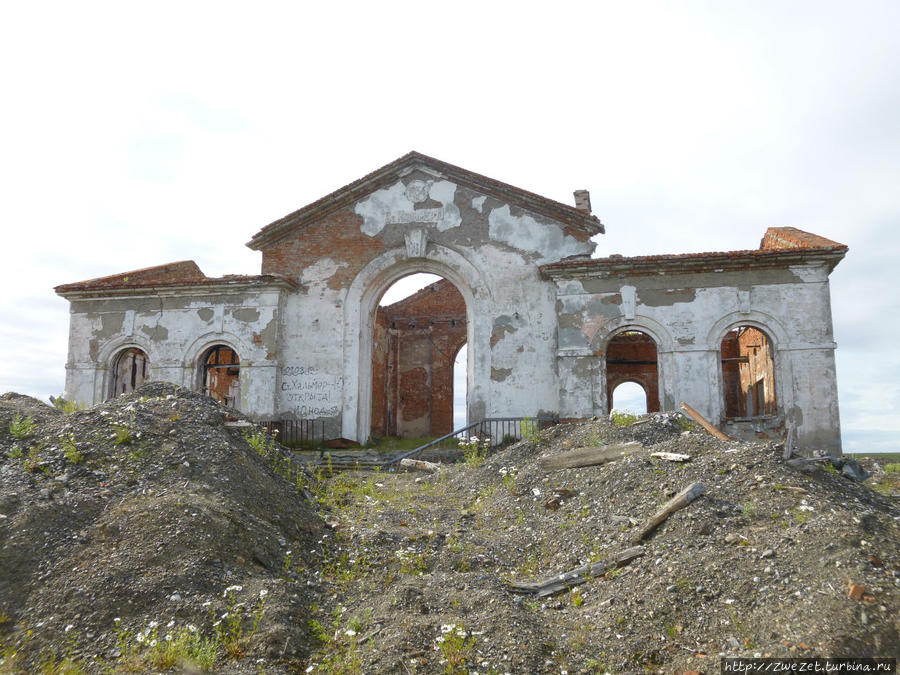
359, 321
415, 342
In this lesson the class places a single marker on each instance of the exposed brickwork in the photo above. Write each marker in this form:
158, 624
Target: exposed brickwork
638, 351
337, 236
415, 343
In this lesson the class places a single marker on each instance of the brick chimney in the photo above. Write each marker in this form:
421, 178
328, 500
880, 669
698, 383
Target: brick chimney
582, 200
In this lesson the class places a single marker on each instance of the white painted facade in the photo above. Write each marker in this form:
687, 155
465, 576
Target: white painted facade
540, 311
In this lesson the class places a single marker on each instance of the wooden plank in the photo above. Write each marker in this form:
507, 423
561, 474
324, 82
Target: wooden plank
701, 420
679, 501
572, 578
591, 456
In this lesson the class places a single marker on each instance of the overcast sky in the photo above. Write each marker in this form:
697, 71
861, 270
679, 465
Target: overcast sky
136, 134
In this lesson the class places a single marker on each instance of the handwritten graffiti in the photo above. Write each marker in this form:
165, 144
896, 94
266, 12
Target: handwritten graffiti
311, 392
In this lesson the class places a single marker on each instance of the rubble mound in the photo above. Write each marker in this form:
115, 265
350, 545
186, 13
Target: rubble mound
133, 527
770, 560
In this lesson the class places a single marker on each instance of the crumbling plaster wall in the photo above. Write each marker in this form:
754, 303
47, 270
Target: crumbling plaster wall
175, 329
688, 315
490, 250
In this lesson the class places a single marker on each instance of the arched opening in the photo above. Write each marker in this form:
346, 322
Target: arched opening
131, 368
418, 330
220, 375
748, 373
631, 356
629, 397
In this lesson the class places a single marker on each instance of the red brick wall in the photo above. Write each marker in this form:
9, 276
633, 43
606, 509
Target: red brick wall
337, 236
416, 341
640, 349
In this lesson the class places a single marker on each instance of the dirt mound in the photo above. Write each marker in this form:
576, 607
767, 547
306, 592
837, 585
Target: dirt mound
143, 517
761, 565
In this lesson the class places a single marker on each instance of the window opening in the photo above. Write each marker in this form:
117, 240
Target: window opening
221, 375
631, 356
748, 373
130, 370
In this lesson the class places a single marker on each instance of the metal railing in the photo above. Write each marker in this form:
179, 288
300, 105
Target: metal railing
297, 432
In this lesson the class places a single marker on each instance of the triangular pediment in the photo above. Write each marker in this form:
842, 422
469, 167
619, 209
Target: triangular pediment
414, 162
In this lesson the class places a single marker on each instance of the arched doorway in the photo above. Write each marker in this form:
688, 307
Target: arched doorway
220, 375
631, 356
629, 397
419, 327
748, 373
131, 368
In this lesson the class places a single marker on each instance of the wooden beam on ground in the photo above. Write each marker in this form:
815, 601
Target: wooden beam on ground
419, 465
572, 578
671, 456
591, 456
679, 501
702, 421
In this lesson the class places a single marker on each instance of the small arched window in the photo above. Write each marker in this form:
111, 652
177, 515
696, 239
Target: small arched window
131, 368
748, 373
221, 375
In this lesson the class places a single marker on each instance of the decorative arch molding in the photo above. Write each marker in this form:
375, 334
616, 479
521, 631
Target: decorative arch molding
106, 357
202, 344
112, 348
359, 309
764, 322
783, 362
644, 324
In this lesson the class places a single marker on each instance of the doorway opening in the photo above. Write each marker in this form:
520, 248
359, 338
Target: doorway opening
631, 357
629, 397
748, 373
419, 329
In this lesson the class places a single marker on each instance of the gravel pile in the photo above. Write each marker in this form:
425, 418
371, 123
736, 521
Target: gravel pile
771, 561
154, 515
144, 516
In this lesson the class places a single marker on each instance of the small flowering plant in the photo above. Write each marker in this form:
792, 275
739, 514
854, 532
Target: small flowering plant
455, 645
508, 474
474, 449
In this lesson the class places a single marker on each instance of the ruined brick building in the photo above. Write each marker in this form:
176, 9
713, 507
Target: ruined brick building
745, 337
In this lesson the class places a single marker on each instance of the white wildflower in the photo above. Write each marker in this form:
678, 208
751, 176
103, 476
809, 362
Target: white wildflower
350, 632
170, 624
69, 627
153, 643
191, 627
153, 624
263, 593
168, 637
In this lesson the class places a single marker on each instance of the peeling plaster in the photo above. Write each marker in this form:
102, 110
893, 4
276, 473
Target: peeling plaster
247, 314
156, 333
503, 325
206, 314
393, 204
527, 234
478, 203
321, 270
500, 374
